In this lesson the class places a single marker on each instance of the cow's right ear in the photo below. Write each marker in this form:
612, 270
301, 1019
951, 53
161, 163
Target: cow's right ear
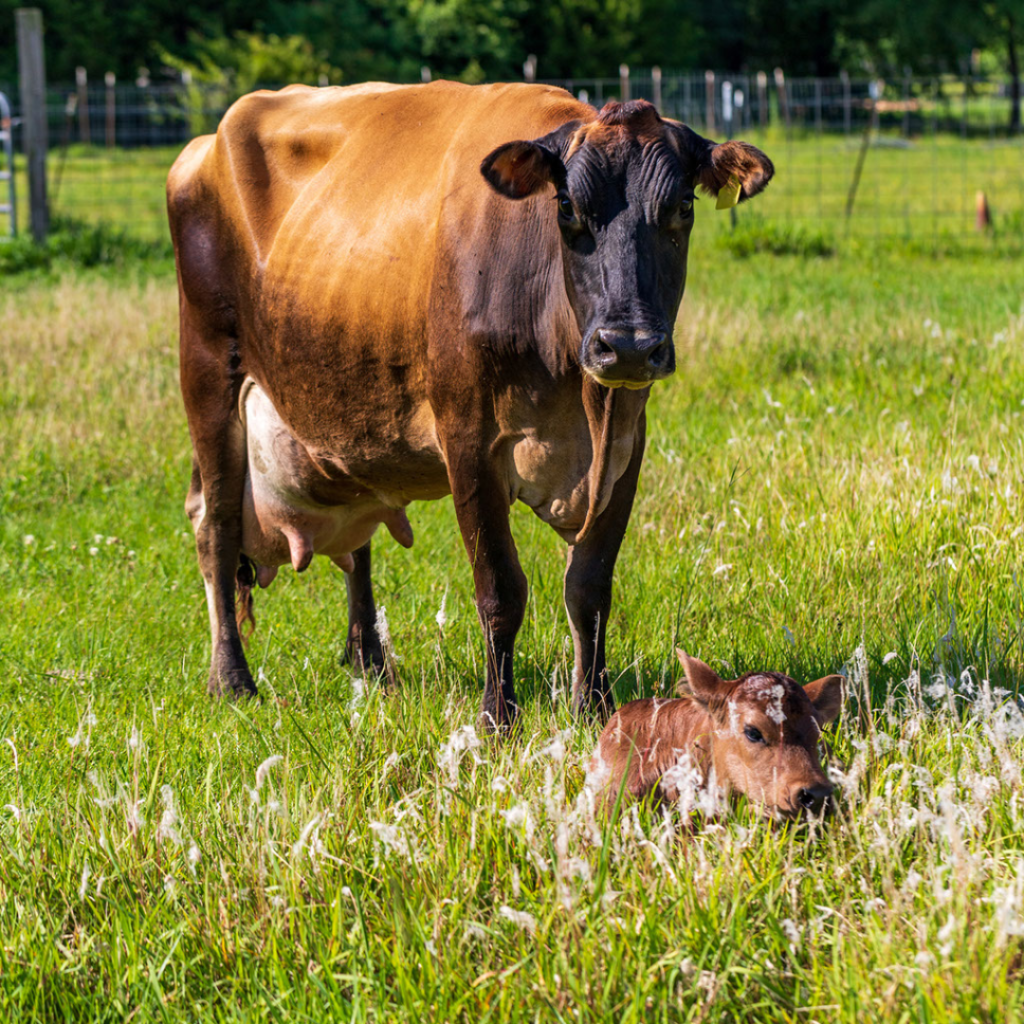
703, 682
519, 169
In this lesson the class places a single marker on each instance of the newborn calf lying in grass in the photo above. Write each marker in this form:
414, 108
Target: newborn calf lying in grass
756, 735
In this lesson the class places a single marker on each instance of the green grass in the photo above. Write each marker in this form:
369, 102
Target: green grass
923, 189
834, 478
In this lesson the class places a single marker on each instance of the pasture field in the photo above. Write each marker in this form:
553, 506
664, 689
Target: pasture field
922, 188
834, 480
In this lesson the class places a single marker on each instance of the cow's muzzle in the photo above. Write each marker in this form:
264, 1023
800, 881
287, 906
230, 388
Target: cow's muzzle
622, 357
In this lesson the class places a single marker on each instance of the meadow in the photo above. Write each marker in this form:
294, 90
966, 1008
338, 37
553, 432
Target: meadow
834, 482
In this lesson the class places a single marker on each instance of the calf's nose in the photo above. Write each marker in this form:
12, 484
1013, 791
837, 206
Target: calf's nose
629, 356
812, 798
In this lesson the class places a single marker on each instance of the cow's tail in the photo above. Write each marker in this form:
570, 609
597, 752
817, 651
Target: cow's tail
245, 580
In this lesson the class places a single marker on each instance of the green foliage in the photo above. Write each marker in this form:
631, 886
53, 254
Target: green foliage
74, 243
754, 234
833, 478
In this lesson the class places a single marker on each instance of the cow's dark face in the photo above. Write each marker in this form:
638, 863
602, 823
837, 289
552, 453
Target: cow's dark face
623, 198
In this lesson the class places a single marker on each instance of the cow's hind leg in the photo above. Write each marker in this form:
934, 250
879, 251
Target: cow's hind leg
210, 382
363, 648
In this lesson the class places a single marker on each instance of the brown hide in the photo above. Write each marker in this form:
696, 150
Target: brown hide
375, 309
757, 735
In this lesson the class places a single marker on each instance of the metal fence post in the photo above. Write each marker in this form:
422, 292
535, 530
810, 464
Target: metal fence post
623, 82
709, 102
656, 79
32, 74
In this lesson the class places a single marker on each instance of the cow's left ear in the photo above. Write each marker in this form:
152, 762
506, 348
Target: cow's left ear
726, 165
827, 696
519, 169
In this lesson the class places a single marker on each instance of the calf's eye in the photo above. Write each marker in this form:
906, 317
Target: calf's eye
752, 734
565, 207
685, 207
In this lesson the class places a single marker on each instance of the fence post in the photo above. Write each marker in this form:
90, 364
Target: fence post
623, 83
656, 79
32, 75
110, 80
425, 75
82, 85
780, 87
844, 77
762, 98
530, 68
709, 102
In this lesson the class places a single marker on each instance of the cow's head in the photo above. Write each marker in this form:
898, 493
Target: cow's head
624, 188
765, 732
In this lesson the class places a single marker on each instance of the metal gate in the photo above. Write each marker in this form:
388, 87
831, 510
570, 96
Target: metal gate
8, 206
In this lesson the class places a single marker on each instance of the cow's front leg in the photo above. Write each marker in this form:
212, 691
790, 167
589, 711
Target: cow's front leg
482, 507
588, 591
363, 647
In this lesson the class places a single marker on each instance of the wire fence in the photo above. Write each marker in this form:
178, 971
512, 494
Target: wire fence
913, 158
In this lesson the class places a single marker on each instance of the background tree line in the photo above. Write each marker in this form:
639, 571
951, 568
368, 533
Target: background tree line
352, 40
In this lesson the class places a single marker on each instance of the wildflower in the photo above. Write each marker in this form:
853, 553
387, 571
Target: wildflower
94, 552
28, 540
383, 629
264, 769
441, 618
169, 819
170, 886
520, 918
16, 811
84, 887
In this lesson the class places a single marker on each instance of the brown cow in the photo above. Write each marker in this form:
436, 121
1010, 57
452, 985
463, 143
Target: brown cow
371, 316
756, 735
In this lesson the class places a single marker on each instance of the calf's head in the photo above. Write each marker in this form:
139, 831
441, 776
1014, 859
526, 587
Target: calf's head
623, 189
764, 734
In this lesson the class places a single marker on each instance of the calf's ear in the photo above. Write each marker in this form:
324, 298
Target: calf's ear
703, 681
738, 168
519, 169
827, 696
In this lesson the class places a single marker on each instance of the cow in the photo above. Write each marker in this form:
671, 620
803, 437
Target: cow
394, 293
757, 735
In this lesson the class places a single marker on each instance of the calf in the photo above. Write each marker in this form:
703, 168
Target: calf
756, 735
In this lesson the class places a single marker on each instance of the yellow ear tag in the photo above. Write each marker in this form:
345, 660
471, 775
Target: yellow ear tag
729, 195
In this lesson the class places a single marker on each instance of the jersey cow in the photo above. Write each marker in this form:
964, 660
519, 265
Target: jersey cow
393, 293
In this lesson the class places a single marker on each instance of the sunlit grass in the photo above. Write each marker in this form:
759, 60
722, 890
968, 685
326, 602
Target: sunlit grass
833, 481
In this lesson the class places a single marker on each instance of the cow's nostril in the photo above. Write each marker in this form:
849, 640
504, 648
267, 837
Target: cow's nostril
659, 356
601, 347
813, 797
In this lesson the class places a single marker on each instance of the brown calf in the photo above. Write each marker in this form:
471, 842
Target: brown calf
756, 735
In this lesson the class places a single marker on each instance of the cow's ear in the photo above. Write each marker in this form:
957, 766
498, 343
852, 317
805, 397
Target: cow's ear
519, 169
827, 696
725, 166
702, 681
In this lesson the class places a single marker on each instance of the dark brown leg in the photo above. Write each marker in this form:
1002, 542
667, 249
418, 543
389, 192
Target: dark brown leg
362, 647
482, 508
210, 387
588, 592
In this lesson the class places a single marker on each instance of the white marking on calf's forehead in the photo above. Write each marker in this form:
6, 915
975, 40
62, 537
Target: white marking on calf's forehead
772, 693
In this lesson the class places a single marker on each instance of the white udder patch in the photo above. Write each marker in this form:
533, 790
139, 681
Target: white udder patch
281, 522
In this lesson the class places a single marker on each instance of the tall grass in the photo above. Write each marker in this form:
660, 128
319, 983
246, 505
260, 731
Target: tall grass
834, 481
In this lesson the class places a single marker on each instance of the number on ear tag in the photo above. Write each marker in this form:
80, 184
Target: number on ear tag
729, 195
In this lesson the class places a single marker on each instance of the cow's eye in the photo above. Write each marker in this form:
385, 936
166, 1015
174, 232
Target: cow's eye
565, 209
752, 734
686, 207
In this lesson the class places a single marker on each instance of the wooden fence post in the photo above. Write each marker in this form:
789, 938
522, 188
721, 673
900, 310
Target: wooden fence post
844, 77
530, 68
656, 79
780, 88
32, 75
82, 85
623, 83
762, 98
709, 102
110, 80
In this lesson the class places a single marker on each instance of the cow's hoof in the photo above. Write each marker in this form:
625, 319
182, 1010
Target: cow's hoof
233, 685
593, 707
364, 653
501, 727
